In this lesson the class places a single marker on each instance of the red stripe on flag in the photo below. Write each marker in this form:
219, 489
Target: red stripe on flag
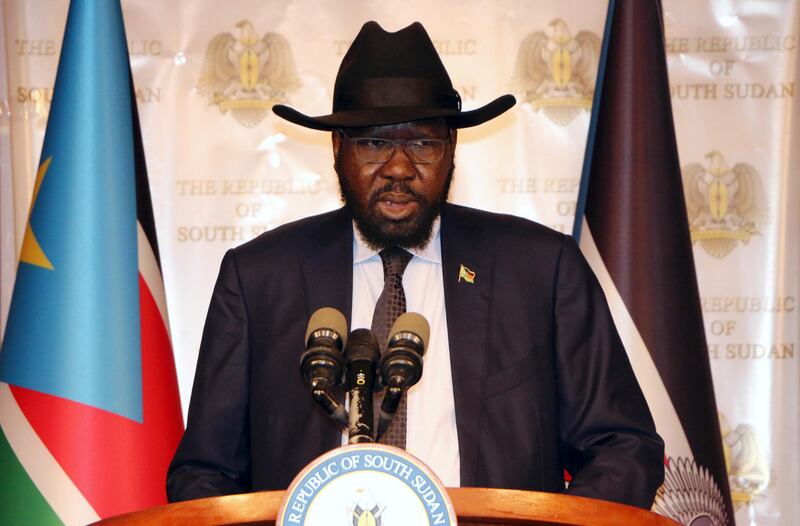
119, 465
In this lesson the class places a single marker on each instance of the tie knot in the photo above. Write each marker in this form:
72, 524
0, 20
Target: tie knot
395, 260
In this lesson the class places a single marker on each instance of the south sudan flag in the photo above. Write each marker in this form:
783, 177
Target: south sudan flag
89, 407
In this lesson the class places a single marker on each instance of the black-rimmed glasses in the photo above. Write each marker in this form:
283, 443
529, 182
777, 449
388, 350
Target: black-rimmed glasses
377, 150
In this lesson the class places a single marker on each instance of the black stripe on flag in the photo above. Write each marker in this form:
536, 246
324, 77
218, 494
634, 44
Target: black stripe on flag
635, 210
144, 206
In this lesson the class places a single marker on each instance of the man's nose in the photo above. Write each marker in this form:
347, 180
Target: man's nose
399, 166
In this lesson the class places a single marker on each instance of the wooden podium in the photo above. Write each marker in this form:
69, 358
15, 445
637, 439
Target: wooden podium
474, 506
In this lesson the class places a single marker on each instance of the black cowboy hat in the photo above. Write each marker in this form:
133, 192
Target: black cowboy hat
388, 78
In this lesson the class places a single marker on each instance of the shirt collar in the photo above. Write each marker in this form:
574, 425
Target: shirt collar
432, 252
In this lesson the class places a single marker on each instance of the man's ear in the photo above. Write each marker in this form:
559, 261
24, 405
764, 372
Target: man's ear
453, 140
336, 139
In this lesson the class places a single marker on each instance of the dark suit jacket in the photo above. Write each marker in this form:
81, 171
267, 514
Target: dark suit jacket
540, 377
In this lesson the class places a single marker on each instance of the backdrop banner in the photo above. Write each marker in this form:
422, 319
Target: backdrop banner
223, 168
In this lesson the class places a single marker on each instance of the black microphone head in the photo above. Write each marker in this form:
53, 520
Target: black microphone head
413, 327
362, 345
408, 339
327, 322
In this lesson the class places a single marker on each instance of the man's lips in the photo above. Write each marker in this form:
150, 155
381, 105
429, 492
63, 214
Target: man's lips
396, 205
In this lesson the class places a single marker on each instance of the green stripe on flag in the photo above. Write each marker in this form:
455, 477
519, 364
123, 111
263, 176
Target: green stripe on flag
20, 500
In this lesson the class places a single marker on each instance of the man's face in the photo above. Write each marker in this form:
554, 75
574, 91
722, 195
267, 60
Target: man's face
394, 203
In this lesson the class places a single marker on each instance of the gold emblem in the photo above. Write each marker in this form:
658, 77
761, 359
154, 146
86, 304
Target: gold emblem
555, 72
745, 461
366, 512
725, 205
248, 74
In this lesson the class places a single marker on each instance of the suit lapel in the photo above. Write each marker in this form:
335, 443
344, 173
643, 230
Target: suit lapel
328, 267
328, 282
467, 306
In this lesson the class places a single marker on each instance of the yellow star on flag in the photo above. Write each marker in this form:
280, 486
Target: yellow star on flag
32, 252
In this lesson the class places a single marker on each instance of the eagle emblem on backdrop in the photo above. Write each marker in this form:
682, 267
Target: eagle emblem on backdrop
726, 205
555, 72
246, 74
746, 462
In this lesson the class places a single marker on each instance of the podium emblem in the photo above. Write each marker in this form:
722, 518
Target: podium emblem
366, 485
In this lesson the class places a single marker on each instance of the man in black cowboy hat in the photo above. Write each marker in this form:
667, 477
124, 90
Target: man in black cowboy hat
525, 375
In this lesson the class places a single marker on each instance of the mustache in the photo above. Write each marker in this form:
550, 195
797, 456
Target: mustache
397, 187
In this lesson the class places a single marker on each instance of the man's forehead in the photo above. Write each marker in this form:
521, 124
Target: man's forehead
424, 128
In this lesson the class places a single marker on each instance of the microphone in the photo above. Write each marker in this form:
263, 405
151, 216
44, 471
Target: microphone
401, 365
361, 359
321, 364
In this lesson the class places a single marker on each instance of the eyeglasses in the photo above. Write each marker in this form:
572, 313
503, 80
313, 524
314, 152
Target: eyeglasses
378, 151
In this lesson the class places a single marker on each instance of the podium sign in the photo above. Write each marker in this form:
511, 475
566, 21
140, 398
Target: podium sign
366, 485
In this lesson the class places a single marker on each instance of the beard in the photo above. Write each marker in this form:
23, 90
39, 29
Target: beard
380, 232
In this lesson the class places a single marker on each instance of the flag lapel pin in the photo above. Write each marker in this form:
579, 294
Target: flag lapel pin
466, 274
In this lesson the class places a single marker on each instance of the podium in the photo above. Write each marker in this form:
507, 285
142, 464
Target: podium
474, 507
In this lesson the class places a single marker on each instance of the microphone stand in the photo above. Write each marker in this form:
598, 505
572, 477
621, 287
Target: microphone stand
322, 395
391, 400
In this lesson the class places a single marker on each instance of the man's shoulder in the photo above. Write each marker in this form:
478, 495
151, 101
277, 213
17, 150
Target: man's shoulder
502, 228
294, 237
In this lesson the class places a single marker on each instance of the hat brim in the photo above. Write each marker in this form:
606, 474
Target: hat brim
384, 116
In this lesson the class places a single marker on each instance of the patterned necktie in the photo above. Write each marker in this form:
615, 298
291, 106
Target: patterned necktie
391, 304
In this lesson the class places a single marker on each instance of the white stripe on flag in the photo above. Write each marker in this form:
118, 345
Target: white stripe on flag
667, 422
148, 268
50, 479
